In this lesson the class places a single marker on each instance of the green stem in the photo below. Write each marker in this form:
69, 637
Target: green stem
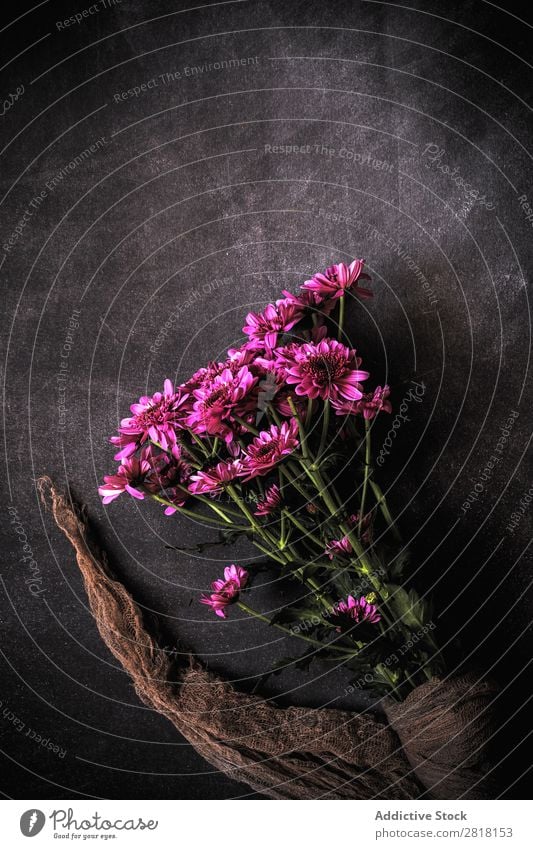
341, 316
269, 552
246, 424
325, 428
305, 531
270, 540
282, 519
272, 412
380, 498
291, 633
309, 412
294, 482
366, 475
192, 514
364, 564
200, 444
197, 464
262, 532
203, 500
301, 429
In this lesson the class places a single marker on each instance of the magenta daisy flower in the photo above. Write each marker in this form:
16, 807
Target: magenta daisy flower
338, 546
226, 590
213, 480
355, 611
369, 405
270, 502
156, 418
264, 327
267, 449
130, 477
218, 397
337, 279
327, 369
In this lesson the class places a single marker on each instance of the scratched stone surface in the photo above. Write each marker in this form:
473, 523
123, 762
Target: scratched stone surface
165, 170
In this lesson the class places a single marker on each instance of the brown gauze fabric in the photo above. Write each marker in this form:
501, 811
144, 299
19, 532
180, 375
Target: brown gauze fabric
434, 747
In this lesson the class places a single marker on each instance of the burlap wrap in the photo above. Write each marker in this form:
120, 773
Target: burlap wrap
434, 747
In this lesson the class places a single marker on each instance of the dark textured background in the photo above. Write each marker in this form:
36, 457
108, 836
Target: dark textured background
183, 210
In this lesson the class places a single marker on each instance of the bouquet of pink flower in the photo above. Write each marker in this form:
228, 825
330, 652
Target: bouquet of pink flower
274, 444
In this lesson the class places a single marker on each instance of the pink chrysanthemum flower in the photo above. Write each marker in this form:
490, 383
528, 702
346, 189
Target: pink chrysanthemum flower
217, 398
156, 418
226, 590
194, 382
372, 404
369, 405
277, 362
327, 369
213, 480
307, 299
337, 279
238, 357
263, 328
169, 473
270, 502
358, 609
269, 448
338, 546
130, 477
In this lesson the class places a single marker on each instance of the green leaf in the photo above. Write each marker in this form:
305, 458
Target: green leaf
399, 563
407, 606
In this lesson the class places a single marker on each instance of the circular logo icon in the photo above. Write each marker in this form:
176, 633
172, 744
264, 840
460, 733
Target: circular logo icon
32, 822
